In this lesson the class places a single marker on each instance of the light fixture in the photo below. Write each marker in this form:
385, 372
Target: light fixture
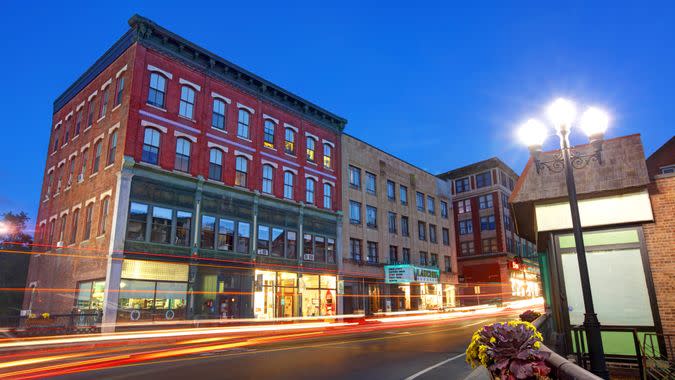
594, 123
533, 133
561, 113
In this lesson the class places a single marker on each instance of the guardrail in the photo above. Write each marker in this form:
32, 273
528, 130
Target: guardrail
55, 324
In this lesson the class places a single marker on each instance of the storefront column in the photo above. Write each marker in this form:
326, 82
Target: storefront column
116, 247
254, 234
301, 237
194, 250
338, 259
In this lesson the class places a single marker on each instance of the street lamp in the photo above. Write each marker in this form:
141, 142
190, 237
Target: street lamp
562, 113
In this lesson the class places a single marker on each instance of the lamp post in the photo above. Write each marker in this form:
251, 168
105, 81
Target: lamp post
533, 133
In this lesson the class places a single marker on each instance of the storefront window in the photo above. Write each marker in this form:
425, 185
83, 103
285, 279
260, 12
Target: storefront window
183, 225
318, 295
275, 294
277, 242
225, 234
208, 231
291, 244
243, 237
152, 299
90, 295
161, 225
319, 248
138, 217
263, 240
330, 251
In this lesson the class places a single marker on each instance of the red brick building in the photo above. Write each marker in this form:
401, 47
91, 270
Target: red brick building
494, 263
177, 182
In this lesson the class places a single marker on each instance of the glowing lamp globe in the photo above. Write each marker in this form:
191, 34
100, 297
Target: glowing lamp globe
594, 123
532, 134
561, 113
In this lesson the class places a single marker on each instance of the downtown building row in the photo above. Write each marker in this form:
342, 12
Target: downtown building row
179, 185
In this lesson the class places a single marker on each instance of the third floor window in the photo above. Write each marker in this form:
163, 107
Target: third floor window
462, 185
268, 134
187, 102
243, 123
483, 179
218, 117
371, 183
157, 90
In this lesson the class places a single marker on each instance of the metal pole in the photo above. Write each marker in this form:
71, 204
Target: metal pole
591, 323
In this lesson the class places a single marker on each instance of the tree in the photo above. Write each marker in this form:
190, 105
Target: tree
15, 246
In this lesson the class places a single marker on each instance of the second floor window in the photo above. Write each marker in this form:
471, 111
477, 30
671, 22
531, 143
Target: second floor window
311, 149
372, 252
157, 90
309, 196
241, 171
288, 185
393, 254
267, 174
489, 245
371, 183
424, 259
103, 222
268, 134
327, 196
466, 248
354, 177
83, 168
354, 212
289, 141
187, 102
405, 255
465, 227
182, 155
112, 148
327, 156
243, 123
88, 219
151, 146
355, 249
215, 164
432, 233
218, 116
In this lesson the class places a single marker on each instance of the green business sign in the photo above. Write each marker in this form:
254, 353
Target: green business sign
402, 273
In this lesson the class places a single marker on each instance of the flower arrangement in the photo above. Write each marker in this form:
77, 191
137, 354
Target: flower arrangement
45, 315
510, 350
529, 316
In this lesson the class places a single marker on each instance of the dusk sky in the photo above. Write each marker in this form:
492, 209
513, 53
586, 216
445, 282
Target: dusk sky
440, 87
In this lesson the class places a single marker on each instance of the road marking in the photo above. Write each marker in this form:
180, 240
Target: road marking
422, 372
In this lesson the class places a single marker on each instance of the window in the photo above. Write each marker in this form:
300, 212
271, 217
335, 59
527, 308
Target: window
187, 102
289, 141
105, 98
225, 235
371, 216
444, 209
268, 134
66, 131
62, 230
393, 254
432, 233
421, 230
307, 247
157, 90
151, 146
330, 250
431, 205
78, 122
355, 249
507, 223
485, 201
50, 182
71, 172
406, 255
354, 212
119, 86
419, 200
483, 179
462, 185
487, 223
56, 140
208, 231
60, 179
267, 173
464, 206
216, 164
327, 196
466, 248
391, 218
103, 222
112, 148
327, 156
465, 227
309, 191
319, 248
182, 155
243, 237
263, 240
434, 260
667, 169
241, 171
183, 226
372, 252
391, 190
371, 183
277, 242
446, 236
424, 258
73, 226
243, 123
354, 177
218, 114
98, 148
288, 185
52, 226
403, 194
162, 221
505, 201
448, 264
489, 245
90, 112
85, 158
310, 149
405, 228
291, 244
88, 215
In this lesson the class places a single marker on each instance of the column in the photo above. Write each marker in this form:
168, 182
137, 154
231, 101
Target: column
338, 260
194, 249
116, 248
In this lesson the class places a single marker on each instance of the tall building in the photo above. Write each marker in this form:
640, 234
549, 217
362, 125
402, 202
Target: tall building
398, 235
179, 185
495, 263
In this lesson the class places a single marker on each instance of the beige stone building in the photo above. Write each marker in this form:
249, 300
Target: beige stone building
398, 239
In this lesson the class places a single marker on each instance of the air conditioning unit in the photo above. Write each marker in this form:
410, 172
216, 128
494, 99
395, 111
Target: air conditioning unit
262, 251
308, 257
80, 178
60, 244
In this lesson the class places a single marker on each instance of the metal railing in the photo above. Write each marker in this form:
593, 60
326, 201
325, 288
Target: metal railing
55, 324
615, 360
658, 356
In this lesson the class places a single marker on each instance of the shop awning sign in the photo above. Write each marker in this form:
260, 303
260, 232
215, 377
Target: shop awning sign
402, 273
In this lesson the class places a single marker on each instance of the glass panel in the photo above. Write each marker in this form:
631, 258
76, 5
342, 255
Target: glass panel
263, 240
154, 270
83, 295
310, 281
183, 225
602, 238
97, 294
137, 221
208, 231
161, 225
277, 242
243, 237
171, 295
328, 282
291, 245
225, 234
137, 294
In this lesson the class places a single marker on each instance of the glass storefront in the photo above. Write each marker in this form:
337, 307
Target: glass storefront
319, 295
90, 295
276, 294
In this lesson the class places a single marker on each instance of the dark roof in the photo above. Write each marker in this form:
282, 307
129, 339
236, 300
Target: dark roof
478, 167
150, 34
666, 145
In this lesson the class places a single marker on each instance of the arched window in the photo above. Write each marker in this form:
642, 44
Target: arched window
327, 196
309, 188
73, 226
183, 154
187, 102
112, 148
71, 172
216, 164
288, 185
243, 124
267, 175
56, 139
269, 134
103, 221
241, 171
151, 146
327, 156
218, 118
311, 145
157, 91
83, 168
88, 219
119, 90
98, 149
105, 98
90, 112
62, 231
289, 143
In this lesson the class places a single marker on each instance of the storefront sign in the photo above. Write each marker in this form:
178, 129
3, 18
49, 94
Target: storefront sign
404, 273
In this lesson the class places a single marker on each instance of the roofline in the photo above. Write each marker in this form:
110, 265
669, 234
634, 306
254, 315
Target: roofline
661, 147
499, 162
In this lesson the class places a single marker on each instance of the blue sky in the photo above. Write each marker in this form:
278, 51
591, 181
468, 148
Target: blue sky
436, 85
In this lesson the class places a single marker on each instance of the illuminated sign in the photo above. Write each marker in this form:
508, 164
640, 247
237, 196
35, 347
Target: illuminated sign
395, 274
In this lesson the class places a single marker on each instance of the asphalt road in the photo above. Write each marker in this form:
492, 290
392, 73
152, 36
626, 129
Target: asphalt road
434, 351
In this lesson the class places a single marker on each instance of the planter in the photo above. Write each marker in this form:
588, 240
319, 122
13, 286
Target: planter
480, 373
34, 322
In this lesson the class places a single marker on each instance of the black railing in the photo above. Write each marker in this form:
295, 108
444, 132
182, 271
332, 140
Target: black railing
614, 360
658, 355
55, 324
